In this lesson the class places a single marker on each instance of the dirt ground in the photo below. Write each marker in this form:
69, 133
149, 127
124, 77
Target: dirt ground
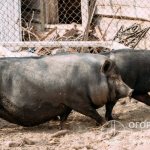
131, 130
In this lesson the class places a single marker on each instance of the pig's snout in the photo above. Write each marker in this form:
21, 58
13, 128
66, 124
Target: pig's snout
130, 93
123, 90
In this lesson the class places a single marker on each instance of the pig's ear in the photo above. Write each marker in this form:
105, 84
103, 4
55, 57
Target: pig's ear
107, 66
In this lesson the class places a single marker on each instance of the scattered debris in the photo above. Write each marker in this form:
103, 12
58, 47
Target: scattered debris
63, 50
124, 38
4, 52
28, 142
12, 144
19, 143
131, 36
123, 102
60, 133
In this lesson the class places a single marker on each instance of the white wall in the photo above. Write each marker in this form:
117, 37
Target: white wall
10, 14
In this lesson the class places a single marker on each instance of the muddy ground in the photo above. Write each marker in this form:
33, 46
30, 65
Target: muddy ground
130, 131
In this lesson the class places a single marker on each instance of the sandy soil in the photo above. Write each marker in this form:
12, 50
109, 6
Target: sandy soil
131, 130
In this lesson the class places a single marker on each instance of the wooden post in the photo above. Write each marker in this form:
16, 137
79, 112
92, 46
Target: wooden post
91, 10
85, 12
42, 14
51, 16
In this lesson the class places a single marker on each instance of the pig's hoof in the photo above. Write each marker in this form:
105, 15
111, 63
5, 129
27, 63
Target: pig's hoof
109, 118
100, 122
56, 118
61, 125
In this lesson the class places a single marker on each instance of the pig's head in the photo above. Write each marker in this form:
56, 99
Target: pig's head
117, 88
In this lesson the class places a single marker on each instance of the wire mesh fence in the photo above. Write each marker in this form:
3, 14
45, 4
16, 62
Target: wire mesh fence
41, 26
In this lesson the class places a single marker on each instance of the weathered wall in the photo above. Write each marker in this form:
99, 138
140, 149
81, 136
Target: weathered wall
112, 14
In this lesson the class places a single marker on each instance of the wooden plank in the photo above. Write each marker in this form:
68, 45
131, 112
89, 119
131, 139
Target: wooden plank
53, 44
64, 26
135, 3
51, 10
126, 11
61, 28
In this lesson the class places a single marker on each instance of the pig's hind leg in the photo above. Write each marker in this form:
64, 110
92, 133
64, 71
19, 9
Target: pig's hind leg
109, 107
64, 116
87, 110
